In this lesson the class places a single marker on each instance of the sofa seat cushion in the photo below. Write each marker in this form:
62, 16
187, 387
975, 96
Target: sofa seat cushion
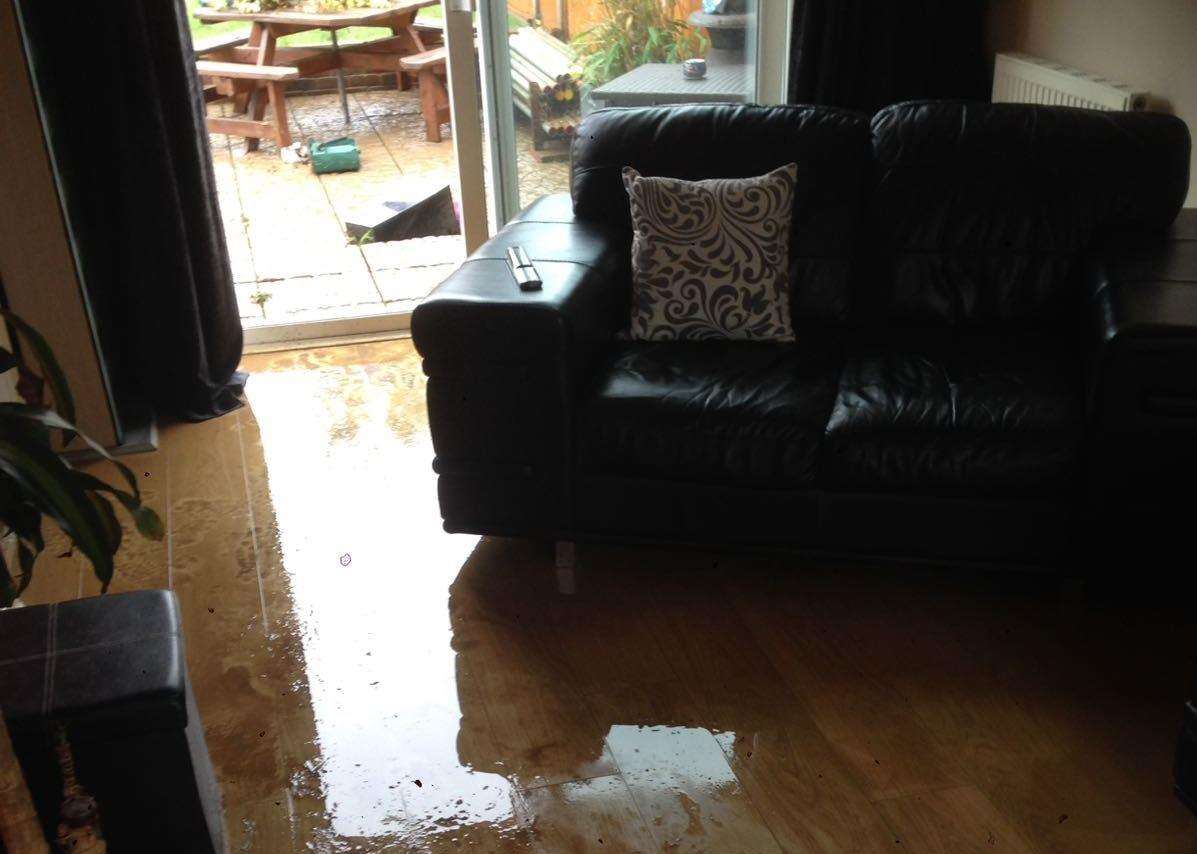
730, 412
972, 417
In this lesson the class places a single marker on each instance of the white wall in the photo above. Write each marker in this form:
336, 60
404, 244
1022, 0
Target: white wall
1149, 45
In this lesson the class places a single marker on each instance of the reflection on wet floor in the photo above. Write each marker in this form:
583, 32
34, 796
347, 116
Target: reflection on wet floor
346, 460
370, 683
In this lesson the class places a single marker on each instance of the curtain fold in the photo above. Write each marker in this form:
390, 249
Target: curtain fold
125, 113
865, 55
188, 340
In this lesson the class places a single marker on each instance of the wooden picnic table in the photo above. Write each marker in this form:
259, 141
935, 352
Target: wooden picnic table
252, 69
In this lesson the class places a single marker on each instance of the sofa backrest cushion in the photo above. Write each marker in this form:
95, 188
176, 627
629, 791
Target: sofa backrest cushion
830, 146
980, 211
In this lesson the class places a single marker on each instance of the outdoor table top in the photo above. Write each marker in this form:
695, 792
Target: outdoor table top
663, 83
316, 20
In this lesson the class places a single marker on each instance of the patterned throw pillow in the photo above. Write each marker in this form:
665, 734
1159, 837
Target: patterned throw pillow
710, 258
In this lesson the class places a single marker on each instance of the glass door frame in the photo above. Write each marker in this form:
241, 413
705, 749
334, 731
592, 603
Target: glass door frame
468, 150
770, 52
499, 112
487, 138
469, 159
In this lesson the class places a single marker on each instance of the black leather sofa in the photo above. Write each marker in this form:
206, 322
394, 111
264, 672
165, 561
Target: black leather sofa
996, 314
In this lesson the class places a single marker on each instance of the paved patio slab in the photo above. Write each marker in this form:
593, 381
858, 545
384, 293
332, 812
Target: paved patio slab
284, 225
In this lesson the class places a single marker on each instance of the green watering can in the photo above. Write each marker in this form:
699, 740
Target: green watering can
336, 155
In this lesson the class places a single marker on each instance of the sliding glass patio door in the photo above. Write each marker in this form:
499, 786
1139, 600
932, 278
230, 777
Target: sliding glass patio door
544, 64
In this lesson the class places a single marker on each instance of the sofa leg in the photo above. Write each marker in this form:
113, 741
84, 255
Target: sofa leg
566, 562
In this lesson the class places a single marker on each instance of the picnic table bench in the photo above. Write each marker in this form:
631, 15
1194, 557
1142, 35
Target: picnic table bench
232, 78
430, 68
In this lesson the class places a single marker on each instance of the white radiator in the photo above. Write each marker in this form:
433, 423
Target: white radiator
1026, 79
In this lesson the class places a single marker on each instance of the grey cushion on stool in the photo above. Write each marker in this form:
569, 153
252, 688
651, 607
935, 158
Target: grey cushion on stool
113, 668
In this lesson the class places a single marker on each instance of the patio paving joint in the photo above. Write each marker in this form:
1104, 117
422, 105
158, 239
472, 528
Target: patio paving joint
287, 239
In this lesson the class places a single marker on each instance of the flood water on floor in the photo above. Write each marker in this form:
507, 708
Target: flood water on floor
371, 683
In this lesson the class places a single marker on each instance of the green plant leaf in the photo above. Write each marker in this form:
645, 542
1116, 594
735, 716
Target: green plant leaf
634, 32
148, 523
51, 485
26, 522
112, 526
64, 402
8, 590
24, 519
27, 556
50, 418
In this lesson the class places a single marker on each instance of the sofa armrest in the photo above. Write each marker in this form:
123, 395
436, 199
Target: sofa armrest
1143, 381
505, 368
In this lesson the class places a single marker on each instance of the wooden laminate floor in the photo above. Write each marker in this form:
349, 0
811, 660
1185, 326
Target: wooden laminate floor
369, 683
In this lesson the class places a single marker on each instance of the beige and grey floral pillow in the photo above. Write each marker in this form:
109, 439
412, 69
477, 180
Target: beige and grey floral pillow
710, 258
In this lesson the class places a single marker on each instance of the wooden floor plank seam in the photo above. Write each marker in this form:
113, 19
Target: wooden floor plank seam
253, 527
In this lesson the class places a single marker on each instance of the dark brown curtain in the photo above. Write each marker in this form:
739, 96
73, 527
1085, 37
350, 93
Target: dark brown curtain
125, 115
864, 55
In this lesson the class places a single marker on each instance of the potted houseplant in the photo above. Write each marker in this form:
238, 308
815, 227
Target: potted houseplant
37, 481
